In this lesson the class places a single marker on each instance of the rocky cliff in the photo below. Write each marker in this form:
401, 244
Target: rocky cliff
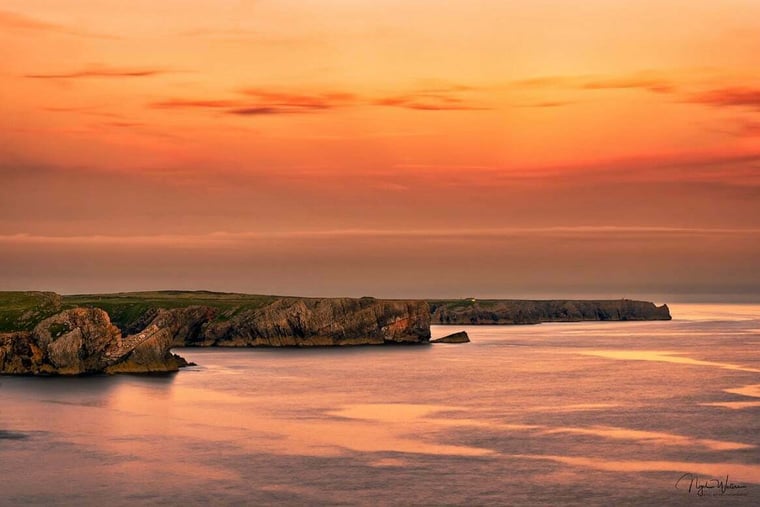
45, 333
83, 340
475, 312
298, 322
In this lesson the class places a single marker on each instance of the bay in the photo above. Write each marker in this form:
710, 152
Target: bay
602, 413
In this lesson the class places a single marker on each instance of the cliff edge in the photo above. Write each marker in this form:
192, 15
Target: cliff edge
297, 322
81, 341
506, 311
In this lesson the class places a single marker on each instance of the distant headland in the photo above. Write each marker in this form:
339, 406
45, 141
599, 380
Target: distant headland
44, 333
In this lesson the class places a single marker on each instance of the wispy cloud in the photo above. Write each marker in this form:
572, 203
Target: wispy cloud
102, 72
20, 22
261, 101
648, 81
549, 104
656, 85
262, 111
729, 97
302, 101
198, 104
226, 106
428, 102
221, 238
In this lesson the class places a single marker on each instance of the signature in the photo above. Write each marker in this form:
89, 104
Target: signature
710, 487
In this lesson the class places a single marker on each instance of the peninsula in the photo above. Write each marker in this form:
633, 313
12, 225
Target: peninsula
47, 333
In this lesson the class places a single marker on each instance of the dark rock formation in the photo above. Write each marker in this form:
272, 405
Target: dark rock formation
42, 339
460, 337
471, 311
303, 322
83, 340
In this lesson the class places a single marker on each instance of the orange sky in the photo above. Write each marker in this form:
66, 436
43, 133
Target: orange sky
491, 148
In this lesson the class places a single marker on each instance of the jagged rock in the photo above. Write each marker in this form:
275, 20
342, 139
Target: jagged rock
83, 340
76, 340
150, 354
306, 322
474, 312
460, 337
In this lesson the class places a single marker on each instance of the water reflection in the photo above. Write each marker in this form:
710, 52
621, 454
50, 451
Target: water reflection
522, 415
747, 472
663, 356
655, 438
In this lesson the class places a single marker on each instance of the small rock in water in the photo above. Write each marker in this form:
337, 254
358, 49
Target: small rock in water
460, 337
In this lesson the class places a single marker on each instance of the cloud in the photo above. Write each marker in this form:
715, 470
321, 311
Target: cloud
15, 21
749, 129
260, 111
103, 72
729, 97
301, 101
122, 124
198, 104
234, 107
428, 102
232, 238
642, 80
649, 84
549, 104
262, 101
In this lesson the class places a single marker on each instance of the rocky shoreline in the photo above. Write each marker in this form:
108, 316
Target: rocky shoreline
83, 341
506, 311
43, 333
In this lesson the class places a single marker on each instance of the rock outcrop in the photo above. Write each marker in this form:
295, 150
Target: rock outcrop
44, 333
474, 312
81, 341
460, 337
302, 322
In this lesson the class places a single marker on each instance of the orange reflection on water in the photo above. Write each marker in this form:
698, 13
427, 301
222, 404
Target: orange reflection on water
652, 437
733, 405
663, 356
352, 427
751, 391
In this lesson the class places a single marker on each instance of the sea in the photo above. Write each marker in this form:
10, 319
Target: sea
594, 413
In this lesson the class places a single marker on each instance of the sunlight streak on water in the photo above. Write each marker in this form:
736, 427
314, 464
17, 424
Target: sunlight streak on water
664, 356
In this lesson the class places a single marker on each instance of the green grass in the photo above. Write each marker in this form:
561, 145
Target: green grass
21, 311
459, 304
125, 308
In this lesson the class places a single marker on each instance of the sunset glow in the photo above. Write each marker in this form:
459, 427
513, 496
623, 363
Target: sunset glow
402, 149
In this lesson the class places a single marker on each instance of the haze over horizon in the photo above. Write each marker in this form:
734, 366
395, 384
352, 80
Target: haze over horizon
393, 149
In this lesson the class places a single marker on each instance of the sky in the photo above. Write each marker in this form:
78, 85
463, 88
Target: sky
387, 148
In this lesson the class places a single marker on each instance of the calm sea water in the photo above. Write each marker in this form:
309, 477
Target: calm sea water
583, 414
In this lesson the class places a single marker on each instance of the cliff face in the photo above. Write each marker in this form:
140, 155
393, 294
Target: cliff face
469, 312
298, 322
83, 340
40, 338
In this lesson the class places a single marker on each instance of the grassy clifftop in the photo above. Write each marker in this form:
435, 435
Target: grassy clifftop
21, 311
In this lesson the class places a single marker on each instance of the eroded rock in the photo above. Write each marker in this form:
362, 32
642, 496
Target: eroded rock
460, 337
83, 340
